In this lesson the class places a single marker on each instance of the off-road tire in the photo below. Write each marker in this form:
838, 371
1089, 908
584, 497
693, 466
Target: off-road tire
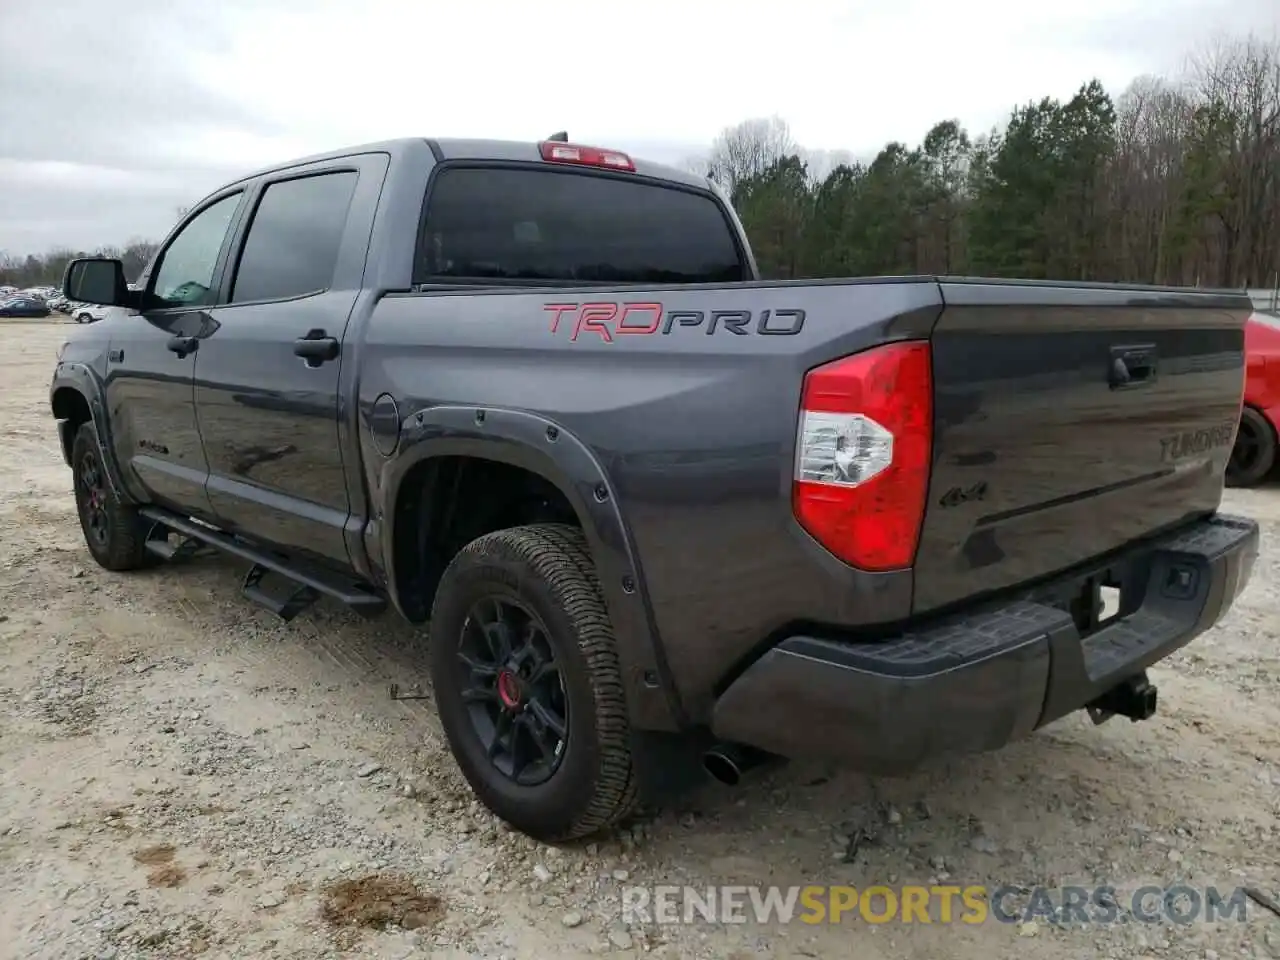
548, 567
1263, 461
124, 546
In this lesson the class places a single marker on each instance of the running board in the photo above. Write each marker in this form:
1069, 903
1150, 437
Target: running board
305, 584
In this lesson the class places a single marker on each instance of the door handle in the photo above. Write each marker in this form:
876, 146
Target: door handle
316, 348
1132, 366
183, 345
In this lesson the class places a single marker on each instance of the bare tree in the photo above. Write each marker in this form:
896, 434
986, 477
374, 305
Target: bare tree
749, 149
1241, 80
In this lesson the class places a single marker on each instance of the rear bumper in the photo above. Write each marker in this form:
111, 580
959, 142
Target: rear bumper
978, 680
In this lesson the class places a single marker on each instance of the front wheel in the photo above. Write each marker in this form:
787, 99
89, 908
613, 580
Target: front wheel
524, 667
113, 530
1254, 453
85, 318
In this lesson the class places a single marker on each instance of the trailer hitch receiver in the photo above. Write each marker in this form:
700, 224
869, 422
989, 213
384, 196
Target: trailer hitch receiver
1134, 698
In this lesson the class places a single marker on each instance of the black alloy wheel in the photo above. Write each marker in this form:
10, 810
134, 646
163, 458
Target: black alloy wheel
93, 491
513, 689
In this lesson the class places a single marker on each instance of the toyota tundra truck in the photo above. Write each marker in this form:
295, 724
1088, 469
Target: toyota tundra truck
537, 396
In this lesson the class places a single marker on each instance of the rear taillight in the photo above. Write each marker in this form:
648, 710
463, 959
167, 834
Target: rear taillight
557, 152
863, 452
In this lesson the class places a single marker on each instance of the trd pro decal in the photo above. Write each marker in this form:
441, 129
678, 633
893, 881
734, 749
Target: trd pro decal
609, 320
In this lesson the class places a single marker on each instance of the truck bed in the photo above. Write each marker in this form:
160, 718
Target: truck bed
688, 396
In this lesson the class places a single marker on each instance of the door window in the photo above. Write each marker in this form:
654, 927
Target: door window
292, 245
185, 277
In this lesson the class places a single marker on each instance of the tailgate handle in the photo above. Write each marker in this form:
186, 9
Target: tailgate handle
1132, 366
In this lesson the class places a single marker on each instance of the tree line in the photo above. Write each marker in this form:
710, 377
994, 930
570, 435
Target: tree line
46, 270
1174, 181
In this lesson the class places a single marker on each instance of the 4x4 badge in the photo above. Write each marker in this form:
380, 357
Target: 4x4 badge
958, 495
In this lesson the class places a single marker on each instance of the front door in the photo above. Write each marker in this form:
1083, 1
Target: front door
151, 362
267, 380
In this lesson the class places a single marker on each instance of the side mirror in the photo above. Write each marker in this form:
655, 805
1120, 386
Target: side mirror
97, 280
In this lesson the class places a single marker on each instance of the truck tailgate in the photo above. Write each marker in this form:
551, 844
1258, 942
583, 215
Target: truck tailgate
1070, 420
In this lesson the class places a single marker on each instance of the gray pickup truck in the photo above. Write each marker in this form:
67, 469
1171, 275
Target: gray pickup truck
656, 509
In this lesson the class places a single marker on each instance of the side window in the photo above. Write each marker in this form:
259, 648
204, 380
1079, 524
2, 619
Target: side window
292, 245
185, 276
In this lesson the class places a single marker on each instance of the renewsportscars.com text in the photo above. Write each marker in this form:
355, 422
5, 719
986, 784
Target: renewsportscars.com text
942, 904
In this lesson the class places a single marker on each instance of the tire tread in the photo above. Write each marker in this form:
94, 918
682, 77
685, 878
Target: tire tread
560, 556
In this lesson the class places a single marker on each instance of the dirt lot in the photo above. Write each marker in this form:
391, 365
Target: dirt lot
183, 775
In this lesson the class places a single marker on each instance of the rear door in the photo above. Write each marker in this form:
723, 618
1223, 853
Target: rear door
1069, 421
267, 380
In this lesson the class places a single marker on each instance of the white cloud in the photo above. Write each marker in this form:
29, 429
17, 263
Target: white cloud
178, 95
679, 71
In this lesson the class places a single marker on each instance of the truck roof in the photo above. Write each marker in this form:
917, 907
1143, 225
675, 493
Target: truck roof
475, 149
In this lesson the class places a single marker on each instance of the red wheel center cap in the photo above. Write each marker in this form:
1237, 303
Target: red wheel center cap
509, 689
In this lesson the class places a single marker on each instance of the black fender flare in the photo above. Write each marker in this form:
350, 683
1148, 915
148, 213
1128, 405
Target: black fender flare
534, 443
81, 378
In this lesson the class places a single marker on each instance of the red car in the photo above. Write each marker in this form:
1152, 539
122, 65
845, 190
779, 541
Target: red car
1254, 455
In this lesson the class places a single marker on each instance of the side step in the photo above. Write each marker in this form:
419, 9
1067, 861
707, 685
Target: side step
187, 548
307, 584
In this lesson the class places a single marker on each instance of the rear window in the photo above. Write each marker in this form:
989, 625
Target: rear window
570, 227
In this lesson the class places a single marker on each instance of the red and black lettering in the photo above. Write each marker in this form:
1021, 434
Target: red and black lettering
610, 319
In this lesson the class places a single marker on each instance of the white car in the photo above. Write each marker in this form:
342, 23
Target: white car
87, 312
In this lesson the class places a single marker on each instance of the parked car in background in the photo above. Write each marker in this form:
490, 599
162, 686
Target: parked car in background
1253, 458
23, 306
87, 312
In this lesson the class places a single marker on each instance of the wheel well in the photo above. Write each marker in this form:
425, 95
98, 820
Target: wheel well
69, 404
446, 502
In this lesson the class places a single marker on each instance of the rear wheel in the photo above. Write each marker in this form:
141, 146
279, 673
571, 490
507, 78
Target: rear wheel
525, 673
85, 318
1254, 453
113, 530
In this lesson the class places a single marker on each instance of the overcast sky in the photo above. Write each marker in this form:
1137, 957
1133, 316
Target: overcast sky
113, 115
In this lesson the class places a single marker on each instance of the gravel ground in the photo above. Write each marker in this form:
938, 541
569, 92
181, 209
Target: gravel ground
184, 776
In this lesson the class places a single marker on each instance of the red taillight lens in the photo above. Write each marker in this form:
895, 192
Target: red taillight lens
557, 152
863, 452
